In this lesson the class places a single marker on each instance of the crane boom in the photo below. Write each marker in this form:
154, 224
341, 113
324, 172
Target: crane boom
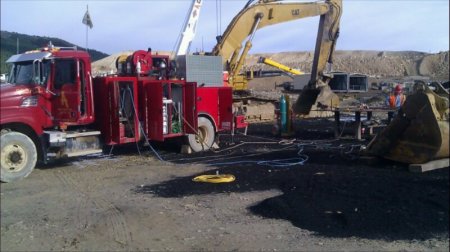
190, 28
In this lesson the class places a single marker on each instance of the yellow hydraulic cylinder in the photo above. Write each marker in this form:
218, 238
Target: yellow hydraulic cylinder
279, 66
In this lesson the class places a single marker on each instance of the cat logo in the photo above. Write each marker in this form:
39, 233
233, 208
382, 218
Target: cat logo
64, 101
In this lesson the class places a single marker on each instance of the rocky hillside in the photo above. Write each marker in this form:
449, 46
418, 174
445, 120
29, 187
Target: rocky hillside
373, 63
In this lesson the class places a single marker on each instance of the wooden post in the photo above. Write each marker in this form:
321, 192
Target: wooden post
337, 121
390, 116
358, 125
369, 115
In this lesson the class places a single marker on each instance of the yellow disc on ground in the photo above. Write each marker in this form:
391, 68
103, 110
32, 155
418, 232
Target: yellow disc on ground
221, 178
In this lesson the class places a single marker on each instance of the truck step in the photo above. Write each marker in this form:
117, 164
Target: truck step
84, 153
82, 134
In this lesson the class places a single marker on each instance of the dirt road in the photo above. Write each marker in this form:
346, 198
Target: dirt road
137, 203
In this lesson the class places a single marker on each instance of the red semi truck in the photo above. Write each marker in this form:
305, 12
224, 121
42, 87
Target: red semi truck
52, 107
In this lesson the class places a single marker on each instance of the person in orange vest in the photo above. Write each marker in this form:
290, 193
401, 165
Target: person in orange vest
397, 98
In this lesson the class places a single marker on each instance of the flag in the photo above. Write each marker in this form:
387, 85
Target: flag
87, 19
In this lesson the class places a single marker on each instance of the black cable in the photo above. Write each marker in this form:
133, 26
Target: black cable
143, 132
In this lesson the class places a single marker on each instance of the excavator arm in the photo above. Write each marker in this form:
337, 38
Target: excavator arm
263, 13
317, 95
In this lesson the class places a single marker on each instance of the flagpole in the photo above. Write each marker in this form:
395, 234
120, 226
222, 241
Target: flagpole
88, 22
87, 9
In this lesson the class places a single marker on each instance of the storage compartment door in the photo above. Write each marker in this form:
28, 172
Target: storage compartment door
154, 110
113, 107
225, 108
190, 123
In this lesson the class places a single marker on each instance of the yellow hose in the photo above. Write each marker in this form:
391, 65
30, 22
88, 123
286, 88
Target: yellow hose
221, 178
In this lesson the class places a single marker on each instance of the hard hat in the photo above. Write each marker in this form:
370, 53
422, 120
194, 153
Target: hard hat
398, 89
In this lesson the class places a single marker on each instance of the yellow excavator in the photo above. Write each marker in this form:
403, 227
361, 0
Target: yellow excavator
420, 131
258, 14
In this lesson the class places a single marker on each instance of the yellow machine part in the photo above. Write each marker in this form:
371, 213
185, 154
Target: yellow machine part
318, 102
419, 133
218, 178
238, 82
280, 66
122, 58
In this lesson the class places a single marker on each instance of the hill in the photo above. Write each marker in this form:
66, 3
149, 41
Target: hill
29, 42
372, 63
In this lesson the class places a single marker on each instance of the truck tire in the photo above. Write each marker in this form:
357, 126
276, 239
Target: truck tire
205, 137
18, 156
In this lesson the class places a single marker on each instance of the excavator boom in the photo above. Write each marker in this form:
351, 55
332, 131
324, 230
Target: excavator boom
272, 13
265, 13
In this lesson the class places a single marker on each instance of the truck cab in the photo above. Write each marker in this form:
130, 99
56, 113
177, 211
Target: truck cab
47, 92
52, 85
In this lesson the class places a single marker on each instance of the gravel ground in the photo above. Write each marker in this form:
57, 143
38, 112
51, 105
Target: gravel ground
327, 199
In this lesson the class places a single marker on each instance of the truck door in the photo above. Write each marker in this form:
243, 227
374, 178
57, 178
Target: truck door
66, 86
225, 108
153, 100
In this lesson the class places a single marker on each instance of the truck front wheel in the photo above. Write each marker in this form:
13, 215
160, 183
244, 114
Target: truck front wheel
204, 139
18, 156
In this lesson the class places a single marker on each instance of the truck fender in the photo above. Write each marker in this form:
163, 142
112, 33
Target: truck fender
209, 117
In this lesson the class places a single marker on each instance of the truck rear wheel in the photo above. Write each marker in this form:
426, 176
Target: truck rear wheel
205, 137
18, 156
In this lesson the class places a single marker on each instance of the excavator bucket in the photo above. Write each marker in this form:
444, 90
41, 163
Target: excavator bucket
316, 102
420, 131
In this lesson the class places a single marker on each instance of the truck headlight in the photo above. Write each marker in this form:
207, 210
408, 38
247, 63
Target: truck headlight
31, 101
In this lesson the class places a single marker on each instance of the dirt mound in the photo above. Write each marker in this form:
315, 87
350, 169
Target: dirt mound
373, 63
107, 64
435, 64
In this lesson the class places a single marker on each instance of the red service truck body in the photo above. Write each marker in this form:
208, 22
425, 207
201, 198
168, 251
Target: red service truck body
52, 107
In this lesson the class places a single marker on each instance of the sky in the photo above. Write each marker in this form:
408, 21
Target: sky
397, 25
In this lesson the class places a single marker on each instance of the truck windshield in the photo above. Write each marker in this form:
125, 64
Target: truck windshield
23, 72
